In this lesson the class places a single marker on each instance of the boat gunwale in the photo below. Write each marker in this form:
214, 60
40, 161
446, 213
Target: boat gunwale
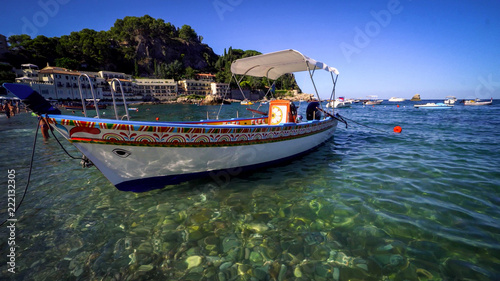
85, 121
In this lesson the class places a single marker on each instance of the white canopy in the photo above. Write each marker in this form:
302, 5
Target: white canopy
273, 65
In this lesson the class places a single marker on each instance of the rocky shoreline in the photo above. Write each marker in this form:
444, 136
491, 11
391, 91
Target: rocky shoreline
211, 100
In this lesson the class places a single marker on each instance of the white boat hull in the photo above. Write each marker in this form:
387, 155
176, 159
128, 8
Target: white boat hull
434, 106
477, 103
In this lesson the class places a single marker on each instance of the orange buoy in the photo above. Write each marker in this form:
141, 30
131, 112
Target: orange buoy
398, 105
397, 129
157, 118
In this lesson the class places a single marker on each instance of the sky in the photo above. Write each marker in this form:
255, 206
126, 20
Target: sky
380, 47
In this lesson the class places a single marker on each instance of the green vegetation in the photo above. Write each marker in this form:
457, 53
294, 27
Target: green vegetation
223, 73
142, 46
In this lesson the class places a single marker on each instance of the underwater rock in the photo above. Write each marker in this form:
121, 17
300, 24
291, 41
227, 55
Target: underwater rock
201, 216
230, 242
282, 273
256, 258
193, 261
145, 248
296, 272
145, 268
313, 238
257, 227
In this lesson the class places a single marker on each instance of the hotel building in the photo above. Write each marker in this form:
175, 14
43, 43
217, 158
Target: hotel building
160, 89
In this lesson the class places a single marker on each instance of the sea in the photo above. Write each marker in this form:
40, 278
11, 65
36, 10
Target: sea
369, 204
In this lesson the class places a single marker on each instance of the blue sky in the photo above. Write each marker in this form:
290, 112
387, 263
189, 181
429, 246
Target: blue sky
380, 47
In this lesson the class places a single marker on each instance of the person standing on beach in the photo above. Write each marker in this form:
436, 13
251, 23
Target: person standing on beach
7, 109
11, 109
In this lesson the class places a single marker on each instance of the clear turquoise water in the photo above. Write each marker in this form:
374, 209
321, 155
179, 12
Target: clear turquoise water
367, 205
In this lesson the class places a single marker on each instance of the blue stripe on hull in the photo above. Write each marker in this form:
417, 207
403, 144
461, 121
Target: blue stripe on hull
147, 184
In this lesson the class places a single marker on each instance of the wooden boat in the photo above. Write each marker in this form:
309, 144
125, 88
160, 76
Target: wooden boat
478, 102
438, 105
139, 156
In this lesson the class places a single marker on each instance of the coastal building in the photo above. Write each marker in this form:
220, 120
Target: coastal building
128, 86
62, 84
58, 83
194, 87
205, 77
160, 89
220, 89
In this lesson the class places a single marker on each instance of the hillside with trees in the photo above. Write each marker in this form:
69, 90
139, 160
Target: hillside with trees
141, 46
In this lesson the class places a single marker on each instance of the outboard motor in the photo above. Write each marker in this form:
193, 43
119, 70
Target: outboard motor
312, 111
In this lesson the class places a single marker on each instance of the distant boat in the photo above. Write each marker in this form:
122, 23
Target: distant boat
246, 102
450, 100
416, 98
478, 102
394, 99
438, 105
339, 103
372, 101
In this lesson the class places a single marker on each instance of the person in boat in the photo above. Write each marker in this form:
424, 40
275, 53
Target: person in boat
312, 111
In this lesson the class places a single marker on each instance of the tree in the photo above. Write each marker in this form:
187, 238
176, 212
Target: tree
187, 33
189, 73
67, 63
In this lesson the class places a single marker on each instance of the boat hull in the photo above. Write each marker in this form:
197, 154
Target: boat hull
141, 156
478, 103
434, 106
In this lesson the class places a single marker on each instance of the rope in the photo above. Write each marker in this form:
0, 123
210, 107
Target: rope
29, 173
361, 124
60, 144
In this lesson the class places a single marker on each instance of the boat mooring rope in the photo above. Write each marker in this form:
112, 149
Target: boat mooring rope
29, 173
60, 144
369, 127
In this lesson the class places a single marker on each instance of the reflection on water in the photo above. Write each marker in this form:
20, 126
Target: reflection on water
422, 205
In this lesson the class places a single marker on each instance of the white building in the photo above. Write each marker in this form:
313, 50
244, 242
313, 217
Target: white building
59, 83
220, 89
195, 87
161, 89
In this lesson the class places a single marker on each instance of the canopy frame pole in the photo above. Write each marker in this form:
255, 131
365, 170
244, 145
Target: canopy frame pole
239, 86
334, 80
314, 84
312, 80
229, 87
